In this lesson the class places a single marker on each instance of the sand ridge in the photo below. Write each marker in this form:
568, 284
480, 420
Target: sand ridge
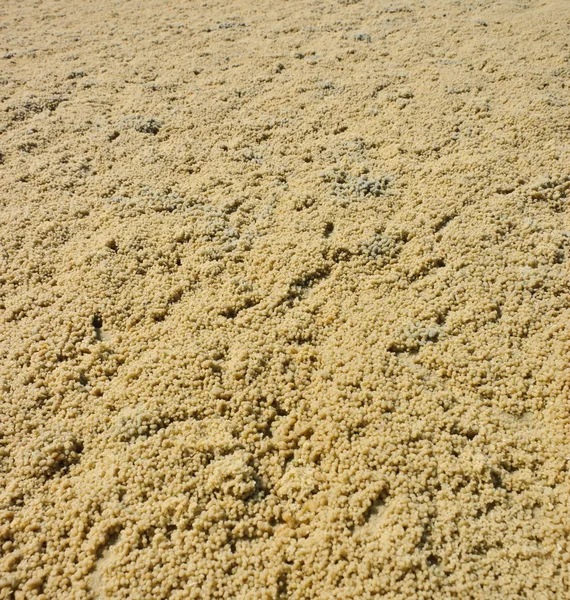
284, 299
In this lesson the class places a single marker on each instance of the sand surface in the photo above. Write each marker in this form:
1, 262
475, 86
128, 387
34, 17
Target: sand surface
284, 299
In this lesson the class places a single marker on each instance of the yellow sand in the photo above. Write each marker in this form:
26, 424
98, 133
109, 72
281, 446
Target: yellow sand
285, 299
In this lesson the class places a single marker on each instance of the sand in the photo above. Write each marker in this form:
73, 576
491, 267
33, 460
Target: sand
284, 299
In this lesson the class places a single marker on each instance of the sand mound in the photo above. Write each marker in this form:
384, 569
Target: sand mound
284, 299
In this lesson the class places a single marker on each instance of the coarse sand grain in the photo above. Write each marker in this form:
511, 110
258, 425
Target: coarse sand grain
284, 299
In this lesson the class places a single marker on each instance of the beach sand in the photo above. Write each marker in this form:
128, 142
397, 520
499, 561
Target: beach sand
284, 299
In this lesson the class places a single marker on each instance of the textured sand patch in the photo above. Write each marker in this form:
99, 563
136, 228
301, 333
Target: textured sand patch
284, 299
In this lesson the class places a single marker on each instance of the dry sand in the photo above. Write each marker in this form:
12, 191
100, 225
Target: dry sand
285, 301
